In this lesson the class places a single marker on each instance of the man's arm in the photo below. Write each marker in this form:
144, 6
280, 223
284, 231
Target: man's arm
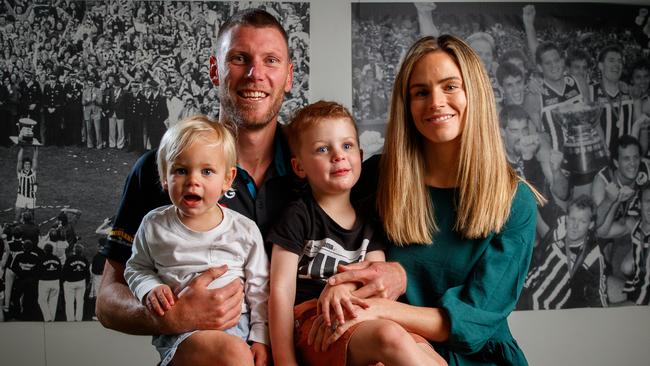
19, 163
377, 279
197, 307
35, 159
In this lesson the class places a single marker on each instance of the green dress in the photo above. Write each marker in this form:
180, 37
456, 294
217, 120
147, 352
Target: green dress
477, 282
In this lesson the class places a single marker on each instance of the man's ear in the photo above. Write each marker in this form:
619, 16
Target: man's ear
615, 161
289, 84
297, 168
214, 71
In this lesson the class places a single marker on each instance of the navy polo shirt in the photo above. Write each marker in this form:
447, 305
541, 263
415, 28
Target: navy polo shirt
143, 192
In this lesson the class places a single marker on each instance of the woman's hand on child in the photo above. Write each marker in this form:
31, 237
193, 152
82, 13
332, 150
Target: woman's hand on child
260, 354
335, 300
159, 300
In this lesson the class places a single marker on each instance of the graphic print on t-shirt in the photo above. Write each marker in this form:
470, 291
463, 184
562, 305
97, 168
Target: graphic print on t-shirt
321, 257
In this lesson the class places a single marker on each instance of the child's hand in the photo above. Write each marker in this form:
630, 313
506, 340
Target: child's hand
159, 300
260, 354
333, 299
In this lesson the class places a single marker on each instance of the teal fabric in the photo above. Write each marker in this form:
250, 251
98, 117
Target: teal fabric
477, 282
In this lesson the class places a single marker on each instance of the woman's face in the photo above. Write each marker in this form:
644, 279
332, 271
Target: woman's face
437, 98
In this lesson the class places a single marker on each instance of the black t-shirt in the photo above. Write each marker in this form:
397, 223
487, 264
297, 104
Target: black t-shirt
143, 192
322, 244
75, 268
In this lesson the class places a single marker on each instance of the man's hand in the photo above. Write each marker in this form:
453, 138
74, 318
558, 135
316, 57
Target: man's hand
528, 15
204, 308
378, 279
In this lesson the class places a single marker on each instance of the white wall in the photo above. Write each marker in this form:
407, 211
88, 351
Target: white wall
592, 337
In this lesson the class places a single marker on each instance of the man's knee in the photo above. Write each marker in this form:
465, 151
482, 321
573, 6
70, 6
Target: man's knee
212, 347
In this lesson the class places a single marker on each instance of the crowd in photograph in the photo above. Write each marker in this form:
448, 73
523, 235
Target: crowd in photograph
573, 102
117, 74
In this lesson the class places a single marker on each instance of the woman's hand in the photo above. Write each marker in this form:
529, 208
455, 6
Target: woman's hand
321, 336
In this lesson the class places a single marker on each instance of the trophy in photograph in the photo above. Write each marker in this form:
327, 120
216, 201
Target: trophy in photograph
25, 132
584, 151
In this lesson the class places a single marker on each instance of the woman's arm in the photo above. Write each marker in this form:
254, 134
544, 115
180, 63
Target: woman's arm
284, 266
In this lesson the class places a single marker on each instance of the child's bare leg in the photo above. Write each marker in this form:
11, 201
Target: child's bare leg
387, 342
212, 347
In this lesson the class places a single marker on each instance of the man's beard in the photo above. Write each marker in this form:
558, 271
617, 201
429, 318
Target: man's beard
233, 114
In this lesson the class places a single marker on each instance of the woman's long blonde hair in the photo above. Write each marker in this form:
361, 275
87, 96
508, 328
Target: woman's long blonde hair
486, 182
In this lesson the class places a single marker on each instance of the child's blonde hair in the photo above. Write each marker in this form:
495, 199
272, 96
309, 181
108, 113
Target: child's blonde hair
194, 129
311, 116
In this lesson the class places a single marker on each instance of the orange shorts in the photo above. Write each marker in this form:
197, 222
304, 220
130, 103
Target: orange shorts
304, 315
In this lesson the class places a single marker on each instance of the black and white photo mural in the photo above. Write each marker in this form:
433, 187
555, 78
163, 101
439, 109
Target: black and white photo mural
571, 82
85, 88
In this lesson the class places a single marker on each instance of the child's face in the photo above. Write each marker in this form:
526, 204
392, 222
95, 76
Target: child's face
329, 156
196, 180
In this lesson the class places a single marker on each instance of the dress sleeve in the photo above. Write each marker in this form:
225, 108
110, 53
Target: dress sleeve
478, 308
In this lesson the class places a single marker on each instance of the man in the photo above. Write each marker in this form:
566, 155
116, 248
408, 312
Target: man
252, 70
73, 110
636, 264
573, 273
53, 103
27, 186
156, 114
557, 90
30, 101
133, 122
615, 192
92, 101
617, 117
116, 110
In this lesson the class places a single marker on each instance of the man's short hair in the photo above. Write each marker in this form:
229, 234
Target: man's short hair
508, 69
310, 116
256, 18
607, 49
577, 54
583, 202
623, 142
543, 48
513, 53
511, 112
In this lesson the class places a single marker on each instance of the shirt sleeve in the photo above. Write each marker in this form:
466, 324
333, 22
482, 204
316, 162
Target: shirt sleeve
479, 307
256, 289
140, 273
142, 193
291, 230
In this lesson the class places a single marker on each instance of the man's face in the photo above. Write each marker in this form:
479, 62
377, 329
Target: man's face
254, 72
27, 165
578, 223
513, 90
579, 68
515, 130
552, 65
641, 79
628, 161
612, 66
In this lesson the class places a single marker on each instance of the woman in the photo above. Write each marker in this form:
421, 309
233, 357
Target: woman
463, 223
